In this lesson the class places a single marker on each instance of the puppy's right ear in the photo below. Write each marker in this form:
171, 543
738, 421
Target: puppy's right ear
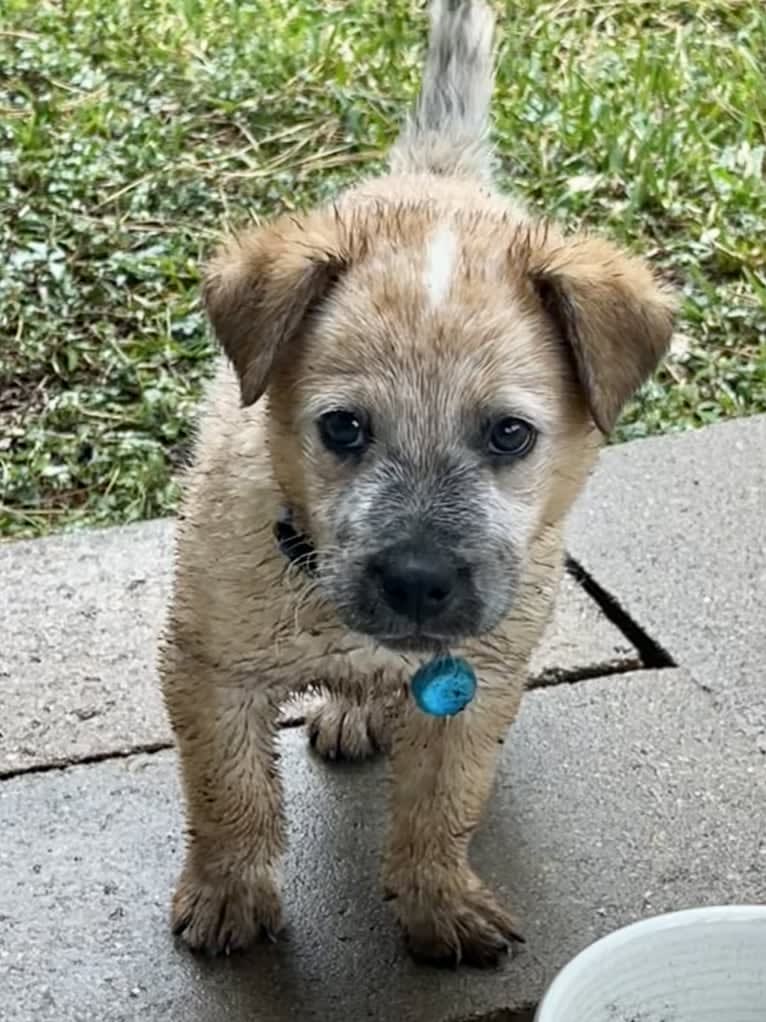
261, 287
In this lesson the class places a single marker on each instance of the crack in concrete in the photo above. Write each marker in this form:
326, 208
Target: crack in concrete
524, 1014
149, 748
604, 669
653, 654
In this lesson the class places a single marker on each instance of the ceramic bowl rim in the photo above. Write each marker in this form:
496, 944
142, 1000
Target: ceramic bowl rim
553, 1004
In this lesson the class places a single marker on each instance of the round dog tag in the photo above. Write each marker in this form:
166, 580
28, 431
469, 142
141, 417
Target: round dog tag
444, 686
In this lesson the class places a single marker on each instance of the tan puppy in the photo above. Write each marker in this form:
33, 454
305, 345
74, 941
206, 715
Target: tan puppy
421, 377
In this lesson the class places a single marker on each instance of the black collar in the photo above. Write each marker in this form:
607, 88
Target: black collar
296, 546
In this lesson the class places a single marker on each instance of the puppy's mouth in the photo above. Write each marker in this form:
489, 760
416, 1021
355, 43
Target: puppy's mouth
418, 642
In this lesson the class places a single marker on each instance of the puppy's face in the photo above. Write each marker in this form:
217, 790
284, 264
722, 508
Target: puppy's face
429, 415
428, 419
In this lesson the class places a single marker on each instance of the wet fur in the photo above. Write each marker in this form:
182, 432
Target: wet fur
345, 305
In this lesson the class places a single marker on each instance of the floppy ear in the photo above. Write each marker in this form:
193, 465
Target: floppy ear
614, 314
260, 288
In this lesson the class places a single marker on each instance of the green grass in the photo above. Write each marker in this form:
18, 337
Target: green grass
131, 132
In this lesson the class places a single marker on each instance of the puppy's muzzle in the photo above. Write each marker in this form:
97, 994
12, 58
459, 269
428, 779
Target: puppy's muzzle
417, 582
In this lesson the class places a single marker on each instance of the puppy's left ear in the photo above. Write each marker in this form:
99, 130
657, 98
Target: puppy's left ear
613, 313
261, 287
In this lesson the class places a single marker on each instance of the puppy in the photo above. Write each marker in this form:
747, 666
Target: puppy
417, 382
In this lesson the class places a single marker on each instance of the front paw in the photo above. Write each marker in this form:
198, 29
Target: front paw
453, 918
219, 911
341, 729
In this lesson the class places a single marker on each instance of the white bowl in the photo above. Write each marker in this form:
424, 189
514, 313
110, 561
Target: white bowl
702, 965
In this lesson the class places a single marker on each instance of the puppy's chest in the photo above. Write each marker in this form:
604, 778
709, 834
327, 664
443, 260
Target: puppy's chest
328, 655
349, 664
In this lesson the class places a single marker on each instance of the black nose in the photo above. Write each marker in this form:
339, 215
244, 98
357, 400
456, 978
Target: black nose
415, 582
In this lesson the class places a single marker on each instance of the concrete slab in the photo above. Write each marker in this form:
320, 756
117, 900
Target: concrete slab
675, 528
615, 800
79, 618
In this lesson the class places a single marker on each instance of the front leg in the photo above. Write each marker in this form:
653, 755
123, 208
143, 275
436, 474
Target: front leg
227, 895
442, 772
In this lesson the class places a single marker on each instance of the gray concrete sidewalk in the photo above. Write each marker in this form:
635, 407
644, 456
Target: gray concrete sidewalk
623, 790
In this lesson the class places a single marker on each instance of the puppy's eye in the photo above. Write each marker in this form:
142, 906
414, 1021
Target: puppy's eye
343, 431
512, 437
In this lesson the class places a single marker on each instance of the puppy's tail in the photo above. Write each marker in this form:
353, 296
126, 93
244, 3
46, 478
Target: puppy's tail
447, 132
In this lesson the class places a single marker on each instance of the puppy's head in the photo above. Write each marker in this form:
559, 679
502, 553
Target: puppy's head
437, 389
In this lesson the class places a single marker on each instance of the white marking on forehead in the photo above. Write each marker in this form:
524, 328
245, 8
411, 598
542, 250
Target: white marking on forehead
440, 263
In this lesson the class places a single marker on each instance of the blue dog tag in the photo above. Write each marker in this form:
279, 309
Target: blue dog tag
444, 686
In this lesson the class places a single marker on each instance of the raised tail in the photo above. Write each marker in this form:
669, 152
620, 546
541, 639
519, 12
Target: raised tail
447, 132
